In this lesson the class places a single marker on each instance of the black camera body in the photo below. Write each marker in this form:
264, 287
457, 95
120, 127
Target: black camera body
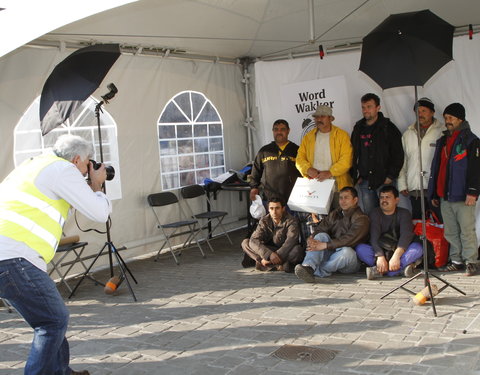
108, 168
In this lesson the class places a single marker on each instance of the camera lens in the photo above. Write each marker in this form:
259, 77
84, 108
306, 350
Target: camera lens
109, 169
110, 172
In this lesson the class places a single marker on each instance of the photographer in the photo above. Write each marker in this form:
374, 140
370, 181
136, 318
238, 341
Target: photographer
34, 203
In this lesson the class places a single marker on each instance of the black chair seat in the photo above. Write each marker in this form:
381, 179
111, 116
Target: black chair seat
210, 215
179, 224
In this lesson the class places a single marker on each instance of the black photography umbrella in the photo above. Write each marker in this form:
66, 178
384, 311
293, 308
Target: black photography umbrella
72, 81
407, 49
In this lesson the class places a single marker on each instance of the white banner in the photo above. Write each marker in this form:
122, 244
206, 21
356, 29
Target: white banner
299, 101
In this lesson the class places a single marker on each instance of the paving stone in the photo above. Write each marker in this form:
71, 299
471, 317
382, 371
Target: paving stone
210, 316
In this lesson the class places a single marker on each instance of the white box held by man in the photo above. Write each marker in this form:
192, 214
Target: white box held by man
312, 196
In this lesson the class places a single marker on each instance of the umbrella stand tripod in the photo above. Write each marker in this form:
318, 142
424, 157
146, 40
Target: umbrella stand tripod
425, 272
108, 244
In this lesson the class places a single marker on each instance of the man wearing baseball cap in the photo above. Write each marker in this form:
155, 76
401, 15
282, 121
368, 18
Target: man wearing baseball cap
454, 185
326, 151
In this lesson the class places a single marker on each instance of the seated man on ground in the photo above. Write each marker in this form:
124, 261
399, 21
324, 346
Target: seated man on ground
274, 245
390, 226
330, 248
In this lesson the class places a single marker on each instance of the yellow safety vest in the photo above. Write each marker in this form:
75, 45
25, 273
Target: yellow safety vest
26, 214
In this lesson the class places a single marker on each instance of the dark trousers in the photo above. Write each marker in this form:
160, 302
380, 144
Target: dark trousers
417, 208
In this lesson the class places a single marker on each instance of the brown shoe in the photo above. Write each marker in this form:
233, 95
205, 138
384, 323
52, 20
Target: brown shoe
84, 372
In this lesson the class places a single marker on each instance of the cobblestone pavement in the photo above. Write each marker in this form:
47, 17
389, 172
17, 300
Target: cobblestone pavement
210, 316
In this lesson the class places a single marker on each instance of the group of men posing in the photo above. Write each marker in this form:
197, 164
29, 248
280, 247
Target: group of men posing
367, 166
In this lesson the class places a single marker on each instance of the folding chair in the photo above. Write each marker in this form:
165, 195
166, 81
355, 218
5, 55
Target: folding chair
196, 191
74, 247
166, 199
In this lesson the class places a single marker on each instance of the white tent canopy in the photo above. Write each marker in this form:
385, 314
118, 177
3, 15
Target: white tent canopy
171, 46
249, 28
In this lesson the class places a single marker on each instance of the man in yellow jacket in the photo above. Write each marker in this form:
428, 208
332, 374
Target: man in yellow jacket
34, 203
326, 151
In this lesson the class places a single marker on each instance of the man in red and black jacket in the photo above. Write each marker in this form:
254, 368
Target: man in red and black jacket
454, 185
274, 169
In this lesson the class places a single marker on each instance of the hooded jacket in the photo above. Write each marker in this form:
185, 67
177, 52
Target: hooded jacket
408, 179
463, 166
386, 157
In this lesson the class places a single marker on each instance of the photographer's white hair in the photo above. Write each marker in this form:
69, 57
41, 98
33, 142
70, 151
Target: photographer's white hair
68, 146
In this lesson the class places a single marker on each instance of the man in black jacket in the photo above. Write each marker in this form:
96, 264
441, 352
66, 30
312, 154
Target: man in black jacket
274, 168
377, 152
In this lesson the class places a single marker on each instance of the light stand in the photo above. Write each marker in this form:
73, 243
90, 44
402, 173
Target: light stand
108, 244
425, 272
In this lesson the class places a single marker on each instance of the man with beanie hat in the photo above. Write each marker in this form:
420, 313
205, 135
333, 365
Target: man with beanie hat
454, 185
409, 177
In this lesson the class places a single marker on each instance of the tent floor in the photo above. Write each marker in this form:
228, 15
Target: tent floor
210, 316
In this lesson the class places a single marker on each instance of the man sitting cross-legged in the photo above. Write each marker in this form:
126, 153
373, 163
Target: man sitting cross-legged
274, 245
330, 248
388, 218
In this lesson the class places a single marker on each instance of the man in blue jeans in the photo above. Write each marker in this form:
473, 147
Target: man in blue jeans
330, 248
389, 218
34, 203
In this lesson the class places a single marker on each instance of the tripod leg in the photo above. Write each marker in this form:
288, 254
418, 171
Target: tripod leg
447, 284
432, 297
402, 286
123, 262
88, 270
122, 267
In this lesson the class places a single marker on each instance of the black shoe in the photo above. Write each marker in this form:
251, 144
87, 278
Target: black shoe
452, 267
305, 273
471, 269
288, 267
247, 261
84, 372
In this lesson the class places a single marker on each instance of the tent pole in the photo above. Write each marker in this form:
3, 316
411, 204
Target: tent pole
312, 21
248, 118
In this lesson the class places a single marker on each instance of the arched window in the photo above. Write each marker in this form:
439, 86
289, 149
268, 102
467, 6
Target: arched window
190, 133
29, 141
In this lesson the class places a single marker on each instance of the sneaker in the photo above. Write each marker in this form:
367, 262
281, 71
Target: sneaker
372, 273
471, 269
409, 271
452, 267
304, 273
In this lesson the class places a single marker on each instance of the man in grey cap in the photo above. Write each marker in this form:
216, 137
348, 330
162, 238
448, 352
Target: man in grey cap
409, 178
326, 151
454, 185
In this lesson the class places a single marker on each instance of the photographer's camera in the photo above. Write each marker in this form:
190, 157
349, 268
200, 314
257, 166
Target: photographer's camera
108, 168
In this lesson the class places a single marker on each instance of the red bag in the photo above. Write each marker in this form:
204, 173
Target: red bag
434, 232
